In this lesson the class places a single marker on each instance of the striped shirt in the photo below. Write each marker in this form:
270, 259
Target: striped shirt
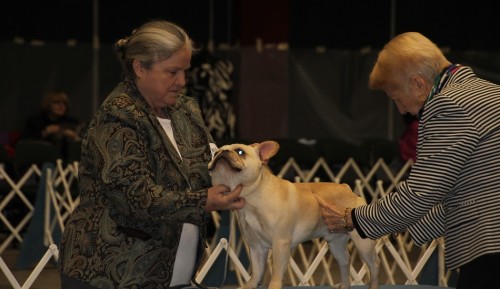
453, 189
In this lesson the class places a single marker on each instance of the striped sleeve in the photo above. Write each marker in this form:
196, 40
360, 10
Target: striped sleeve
447, 138
431, 226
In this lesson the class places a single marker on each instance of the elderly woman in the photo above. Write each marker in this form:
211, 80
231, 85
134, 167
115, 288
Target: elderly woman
454, 186
146, 194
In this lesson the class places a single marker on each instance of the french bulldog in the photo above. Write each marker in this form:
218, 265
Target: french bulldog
278, 214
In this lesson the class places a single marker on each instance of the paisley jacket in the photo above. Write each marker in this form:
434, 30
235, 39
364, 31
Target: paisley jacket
136, 193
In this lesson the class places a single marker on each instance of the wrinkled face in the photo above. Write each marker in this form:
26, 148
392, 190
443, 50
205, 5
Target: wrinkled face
235, 164
162, 82
406, 98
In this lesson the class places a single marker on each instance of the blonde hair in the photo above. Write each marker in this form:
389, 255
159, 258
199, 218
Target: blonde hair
154, 41
405, 55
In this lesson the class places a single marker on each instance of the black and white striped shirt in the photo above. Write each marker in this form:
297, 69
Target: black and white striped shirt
454, 187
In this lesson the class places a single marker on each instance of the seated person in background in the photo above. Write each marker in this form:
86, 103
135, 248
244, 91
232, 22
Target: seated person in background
53, 124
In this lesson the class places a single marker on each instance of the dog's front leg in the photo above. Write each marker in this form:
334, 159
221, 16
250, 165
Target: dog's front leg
258, 258
280, 256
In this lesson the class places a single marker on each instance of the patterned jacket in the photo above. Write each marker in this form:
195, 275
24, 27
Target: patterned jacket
453, 189
136, 193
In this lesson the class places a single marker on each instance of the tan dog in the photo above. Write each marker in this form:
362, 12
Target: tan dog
279, 214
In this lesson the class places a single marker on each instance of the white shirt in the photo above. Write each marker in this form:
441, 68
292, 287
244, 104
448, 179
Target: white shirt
185, 258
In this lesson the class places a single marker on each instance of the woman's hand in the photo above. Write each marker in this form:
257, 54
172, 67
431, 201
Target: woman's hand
221, 198
333, 216
51, 129
71, 134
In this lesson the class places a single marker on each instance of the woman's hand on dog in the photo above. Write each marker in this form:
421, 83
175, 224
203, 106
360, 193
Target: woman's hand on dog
220, 197
332, 215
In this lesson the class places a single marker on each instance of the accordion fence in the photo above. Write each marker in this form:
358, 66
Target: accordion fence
311, 264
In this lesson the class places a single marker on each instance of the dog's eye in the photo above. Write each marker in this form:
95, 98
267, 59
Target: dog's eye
239, 152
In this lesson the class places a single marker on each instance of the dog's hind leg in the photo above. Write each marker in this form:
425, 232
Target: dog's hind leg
367, 251
337, 242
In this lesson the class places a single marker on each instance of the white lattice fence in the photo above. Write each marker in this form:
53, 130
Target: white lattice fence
17, 196
399, 256
310, 264
57, 197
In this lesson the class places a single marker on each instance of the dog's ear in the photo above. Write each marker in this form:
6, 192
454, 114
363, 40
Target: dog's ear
267, 150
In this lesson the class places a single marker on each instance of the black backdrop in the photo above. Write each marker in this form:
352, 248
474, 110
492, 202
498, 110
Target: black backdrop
302, 91
304, 24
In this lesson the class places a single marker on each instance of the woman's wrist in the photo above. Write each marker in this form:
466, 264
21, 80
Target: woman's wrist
347, 220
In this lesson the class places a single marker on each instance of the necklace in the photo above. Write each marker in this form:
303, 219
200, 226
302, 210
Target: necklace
441, 79
439, 83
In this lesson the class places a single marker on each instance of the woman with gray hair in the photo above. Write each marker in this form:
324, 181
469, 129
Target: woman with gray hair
145, 191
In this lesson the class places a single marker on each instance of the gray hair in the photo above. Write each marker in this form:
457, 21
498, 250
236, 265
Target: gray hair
154, 41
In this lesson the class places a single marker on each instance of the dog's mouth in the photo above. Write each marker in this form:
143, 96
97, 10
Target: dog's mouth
233, 161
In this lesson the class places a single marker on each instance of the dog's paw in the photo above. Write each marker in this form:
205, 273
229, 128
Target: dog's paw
340, 286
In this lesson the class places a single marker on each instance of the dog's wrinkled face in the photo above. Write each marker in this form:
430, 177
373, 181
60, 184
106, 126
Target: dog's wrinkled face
239, 163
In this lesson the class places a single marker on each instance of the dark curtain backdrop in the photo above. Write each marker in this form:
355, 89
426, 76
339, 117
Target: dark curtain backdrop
329, 96
263, 96
296, 93
29, 71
